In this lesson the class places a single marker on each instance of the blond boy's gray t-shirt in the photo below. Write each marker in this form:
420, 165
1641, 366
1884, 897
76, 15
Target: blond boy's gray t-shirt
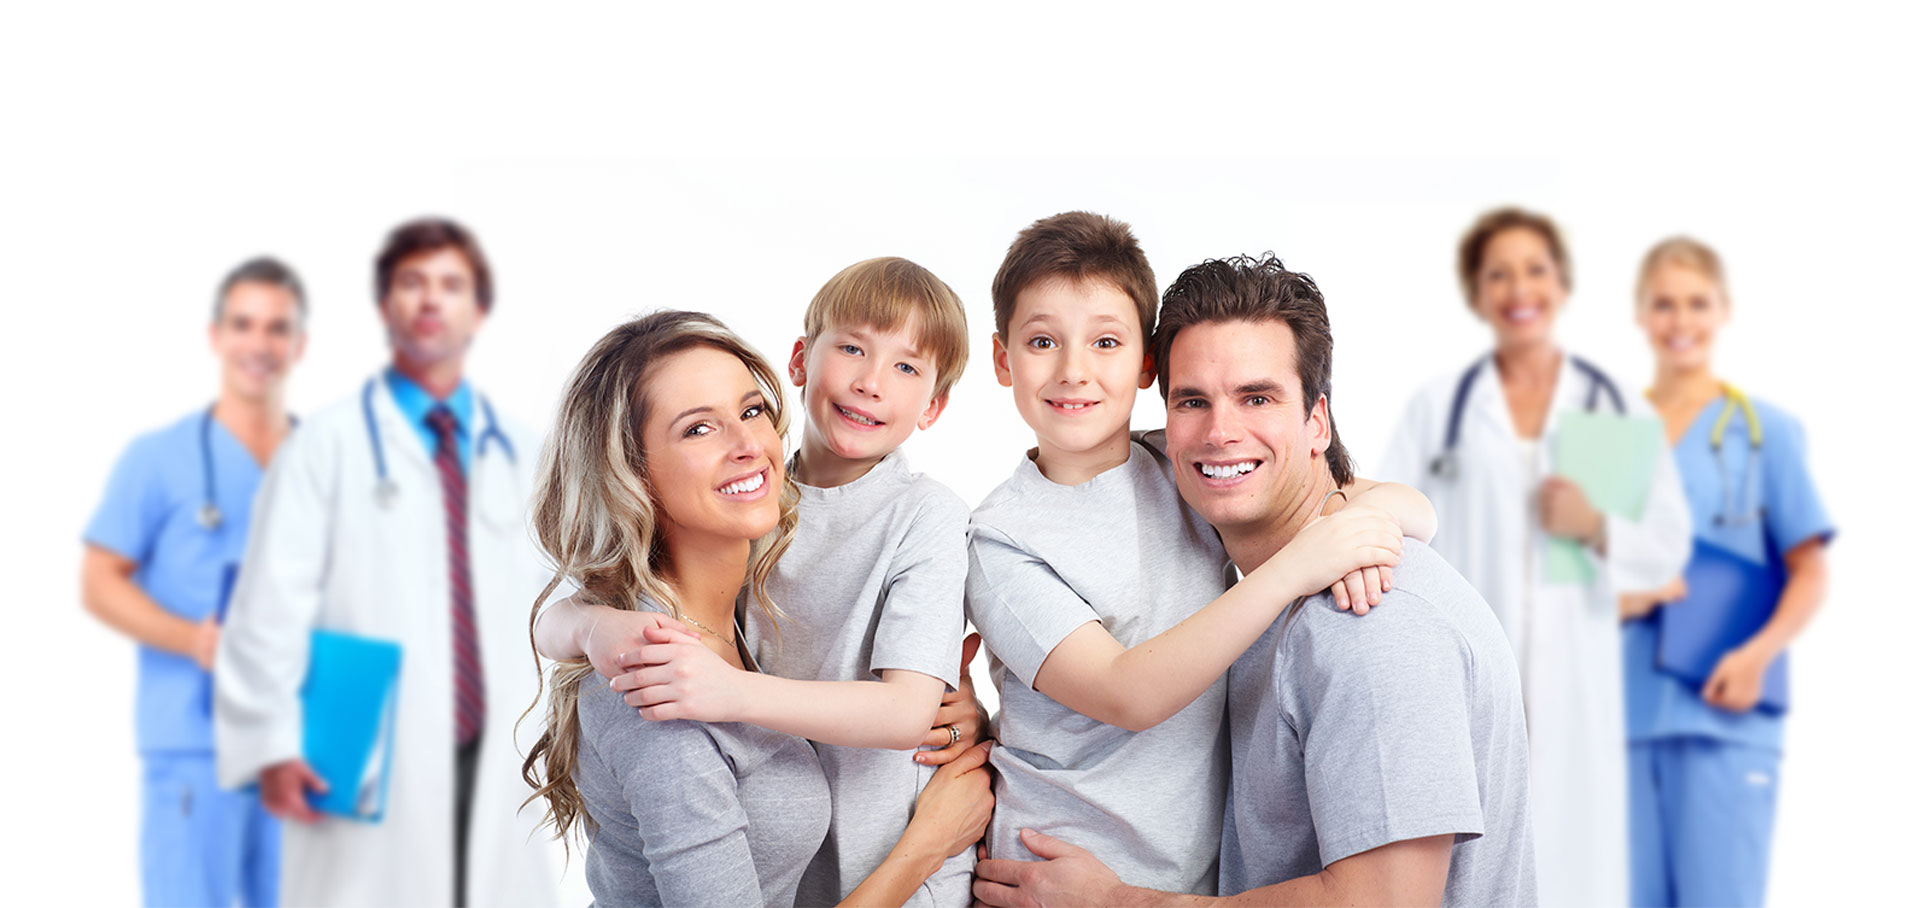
693, 813
874, 580
1351, 732
1120, 549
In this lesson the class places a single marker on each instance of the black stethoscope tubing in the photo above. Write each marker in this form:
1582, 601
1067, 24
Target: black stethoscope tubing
1447, 464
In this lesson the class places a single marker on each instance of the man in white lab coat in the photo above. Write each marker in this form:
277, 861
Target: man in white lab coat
397, 514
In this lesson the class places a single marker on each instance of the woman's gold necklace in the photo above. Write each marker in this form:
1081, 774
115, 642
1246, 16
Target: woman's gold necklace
689, 619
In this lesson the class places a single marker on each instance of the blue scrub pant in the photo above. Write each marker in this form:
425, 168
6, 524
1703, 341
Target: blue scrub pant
1700, 821
201, 844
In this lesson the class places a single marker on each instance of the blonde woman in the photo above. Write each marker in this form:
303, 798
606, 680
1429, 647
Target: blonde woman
1704, 735
662, 488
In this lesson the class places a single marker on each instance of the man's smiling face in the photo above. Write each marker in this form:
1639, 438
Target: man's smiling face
1240, 436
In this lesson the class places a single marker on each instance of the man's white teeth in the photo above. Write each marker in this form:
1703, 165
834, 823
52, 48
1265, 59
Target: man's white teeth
857, 417
744, 485
1227, 470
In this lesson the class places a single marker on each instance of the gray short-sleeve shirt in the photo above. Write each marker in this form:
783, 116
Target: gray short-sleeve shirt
874, 580
1120, 549
684, 810
1350, 733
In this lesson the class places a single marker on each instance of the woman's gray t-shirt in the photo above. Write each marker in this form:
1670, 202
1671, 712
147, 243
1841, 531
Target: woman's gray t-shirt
684, 809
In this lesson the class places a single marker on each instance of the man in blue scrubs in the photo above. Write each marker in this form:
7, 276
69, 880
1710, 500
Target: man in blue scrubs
161, 553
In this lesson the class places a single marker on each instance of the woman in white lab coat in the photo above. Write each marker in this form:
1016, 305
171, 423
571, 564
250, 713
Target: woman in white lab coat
1480, 444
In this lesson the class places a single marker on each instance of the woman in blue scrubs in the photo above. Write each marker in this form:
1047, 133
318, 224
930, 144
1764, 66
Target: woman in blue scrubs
1704, 758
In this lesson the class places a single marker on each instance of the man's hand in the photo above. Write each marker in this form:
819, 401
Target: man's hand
206, 642
1640, 605
1565, 512
681, 678
284, 787
1068, 876
960, 710
951, 813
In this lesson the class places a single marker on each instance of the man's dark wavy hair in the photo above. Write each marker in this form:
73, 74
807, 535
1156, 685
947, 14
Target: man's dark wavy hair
1248, 289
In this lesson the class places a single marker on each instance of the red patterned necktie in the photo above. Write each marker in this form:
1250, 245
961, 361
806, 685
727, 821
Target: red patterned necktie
469, 686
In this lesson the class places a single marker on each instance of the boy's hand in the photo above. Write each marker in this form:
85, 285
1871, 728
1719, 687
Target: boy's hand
1361, 590
680, 678
613, 637
960, 710
1346, 542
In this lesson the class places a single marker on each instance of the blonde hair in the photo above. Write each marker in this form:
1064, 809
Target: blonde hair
594, 513
1686, 252
888, 293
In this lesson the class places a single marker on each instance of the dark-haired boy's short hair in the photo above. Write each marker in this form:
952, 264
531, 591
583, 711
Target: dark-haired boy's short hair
261, 269
428, 235
1248, 289
1077, 246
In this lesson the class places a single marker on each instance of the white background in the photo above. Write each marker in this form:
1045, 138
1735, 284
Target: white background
616, 161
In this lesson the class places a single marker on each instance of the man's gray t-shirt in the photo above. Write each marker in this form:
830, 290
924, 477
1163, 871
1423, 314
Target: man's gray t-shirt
694, 813
1350, 733
874, 580
1120, 549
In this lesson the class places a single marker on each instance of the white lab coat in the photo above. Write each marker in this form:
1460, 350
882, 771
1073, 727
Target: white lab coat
1566, 637
324, 554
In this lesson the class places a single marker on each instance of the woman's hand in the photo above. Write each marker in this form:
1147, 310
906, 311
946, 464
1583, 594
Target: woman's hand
681, 678
1565, 512
1642, 604
1337, 550
951, 813
1737, 681
959, 710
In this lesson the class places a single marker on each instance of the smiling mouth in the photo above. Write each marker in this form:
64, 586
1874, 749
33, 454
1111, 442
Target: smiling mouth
857, 418
1073, 406
743, 486
1226, 472
1523, 314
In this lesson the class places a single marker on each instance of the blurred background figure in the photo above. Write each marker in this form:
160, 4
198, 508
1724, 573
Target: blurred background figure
398, 515
1482, 445
1704, 755
161, 554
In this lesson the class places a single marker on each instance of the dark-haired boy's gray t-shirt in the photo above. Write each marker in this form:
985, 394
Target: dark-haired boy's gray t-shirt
1350, 733
874, 580
1120, 549
694, 813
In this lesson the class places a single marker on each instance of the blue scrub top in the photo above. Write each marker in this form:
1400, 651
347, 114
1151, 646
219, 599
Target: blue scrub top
1782, 489
151, 515
415, 403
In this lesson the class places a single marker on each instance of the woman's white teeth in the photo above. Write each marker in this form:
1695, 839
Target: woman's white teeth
1226, 470
857, 417
744, 485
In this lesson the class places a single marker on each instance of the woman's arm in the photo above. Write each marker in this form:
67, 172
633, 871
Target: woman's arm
1140, 687
1739, 678
950, 815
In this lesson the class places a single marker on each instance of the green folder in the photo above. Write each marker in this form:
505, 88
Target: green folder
1611, 458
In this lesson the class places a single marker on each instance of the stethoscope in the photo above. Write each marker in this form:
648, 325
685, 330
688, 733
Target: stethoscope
385, 491
209, 516
1729, 516
1447, 465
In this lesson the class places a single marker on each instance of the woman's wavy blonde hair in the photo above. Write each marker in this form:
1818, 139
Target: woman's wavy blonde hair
594, 513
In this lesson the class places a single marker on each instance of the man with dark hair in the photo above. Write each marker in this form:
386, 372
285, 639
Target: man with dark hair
1374, 761
397, 515
160, 552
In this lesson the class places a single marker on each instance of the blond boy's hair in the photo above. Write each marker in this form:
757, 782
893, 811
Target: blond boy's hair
890, 293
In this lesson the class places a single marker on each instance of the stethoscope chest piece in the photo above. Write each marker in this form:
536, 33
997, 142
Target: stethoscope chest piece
208, 516
386, 492
1446, 466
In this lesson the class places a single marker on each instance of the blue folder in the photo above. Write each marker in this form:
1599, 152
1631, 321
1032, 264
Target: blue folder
1729, 598
349, 701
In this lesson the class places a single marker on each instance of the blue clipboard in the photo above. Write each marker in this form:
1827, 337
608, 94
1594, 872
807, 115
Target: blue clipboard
348, 701
1729, 598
